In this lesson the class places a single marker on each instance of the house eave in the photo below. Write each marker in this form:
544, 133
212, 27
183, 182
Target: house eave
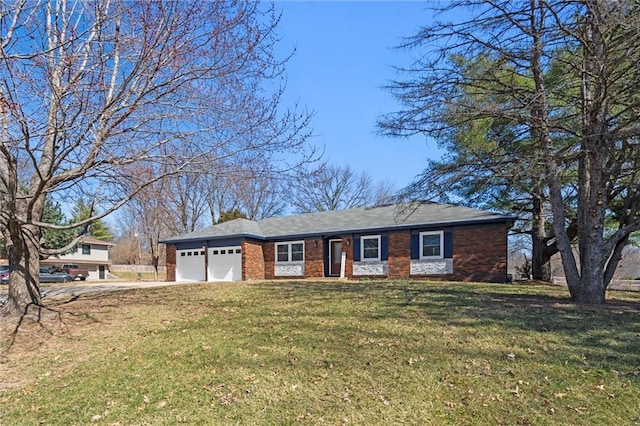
212, 237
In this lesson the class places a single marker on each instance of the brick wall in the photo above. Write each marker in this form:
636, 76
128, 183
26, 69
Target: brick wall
347, 247
170, 262
252, 260
480, 253
314, 258
268, 250
399, 263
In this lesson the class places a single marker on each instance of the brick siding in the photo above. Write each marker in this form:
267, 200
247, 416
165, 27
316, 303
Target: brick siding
314, 258
252, 260
170, 262
399, 262
268, 250
347, 247
480, 253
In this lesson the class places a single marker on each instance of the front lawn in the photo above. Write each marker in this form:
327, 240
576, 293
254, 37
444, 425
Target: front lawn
326, 353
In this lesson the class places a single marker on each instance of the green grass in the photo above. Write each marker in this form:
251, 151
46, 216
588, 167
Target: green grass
334, 353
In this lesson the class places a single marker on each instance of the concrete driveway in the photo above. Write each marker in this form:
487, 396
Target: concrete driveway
87, 287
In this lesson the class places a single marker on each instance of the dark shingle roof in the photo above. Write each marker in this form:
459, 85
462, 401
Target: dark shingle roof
360, 219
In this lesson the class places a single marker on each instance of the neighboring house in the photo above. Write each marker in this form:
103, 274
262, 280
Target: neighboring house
90, 253
425, 240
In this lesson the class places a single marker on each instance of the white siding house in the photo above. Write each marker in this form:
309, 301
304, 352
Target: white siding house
90, 253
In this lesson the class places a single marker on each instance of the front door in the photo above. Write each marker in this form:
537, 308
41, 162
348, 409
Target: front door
335, 257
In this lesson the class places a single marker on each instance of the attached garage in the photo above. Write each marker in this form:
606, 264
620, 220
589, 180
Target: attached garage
221, 264
190, 265
225, 263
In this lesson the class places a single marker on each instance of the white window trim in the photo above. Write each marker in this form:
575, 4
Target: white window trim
289, 244
370, 237
439, 233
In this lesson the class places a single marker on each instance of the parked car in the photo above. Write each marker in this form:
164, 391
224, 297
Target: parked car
47, 276
4, 274
72, 269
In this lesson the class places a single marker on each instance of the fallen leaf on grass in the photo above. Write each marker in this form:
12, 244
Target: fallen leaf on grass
516, 391
415, 360
211, 388
301, 417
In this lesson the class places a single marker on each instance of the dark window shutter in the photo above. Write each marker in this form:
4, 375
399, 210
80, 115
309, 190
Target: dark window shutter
448, 244
356, 248
415, 245
384, 250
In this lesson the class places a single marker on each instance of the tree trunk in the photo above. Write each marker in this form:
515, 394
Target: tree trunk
540, 266
592, 172
591, 290
590, 287
155, 261
24, 279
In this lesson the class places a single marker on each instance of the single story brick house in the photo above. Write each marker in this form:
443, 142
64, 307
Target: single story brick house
419, 240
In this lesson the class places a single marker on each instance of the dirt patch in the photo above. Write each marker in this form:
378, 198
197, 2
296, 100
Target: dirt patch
49, 330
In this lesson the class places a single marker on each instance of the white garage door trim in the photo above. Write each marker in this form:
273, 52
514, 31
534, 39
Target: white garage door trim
190, 265
225, 263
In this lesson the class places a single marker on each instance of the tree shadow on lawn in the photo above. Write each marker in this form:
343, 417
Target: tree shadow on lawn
607, 335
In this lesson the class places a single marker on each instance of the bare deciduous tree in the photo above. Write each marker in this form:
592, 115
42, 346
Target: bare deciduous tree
90, 89
331, 187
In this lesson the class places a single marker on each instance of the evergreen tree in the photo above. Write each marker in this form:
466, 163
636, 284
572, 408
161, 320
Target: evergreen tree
98, 229
55, 238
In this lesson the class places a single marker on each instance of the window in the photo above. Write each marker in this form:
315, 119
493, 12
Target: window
297, 252
86, 249
370, 248
431, 245
290, 252
282, 252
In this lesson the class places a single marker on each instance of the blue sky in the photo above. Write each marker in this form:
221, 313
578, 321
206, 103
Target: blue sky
344, 54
